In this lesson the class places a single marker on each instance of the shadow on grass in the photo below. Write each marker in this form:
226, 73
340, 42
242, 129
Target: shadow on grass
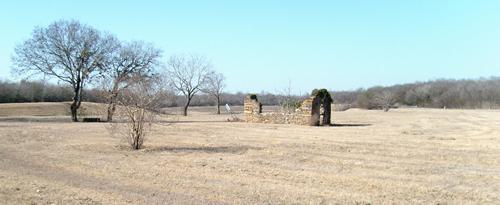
349, 125
216, 149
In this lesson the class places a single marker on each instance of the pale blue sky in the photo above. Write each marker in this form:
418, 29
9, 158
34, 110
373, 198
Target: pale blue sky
261, 45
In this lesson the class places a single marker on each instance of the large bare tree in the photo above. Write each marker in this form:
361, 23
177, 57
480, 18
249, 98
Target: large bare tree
214, 86
187, 75
130, 61
67, 50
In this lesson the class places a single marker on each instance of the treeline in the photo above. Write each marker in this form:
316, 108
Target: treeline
40, 91
265, 98
483, 93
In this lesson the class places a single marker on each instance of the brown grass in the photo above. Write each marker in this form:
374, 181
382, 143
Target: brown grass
404, 156
48, 109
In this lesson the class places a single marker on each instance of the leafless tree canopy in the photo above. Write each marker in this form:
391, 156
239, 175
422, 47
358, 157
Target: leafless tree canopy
129, 61
483, 93
287, 101
187, 75
72, 52
214, 86
385, 99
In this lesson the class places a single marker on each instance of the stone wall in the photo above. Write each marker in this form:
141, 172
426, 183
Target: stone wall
253, 113
314, 111
281, 118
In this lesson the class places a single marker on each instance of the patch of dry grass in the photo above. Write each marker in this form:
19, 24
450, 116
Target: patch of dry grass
404, 156
48, 109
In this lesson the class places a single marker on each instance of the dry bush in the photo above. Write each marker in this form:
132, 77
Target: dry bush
139, 107
288, 102
385, 100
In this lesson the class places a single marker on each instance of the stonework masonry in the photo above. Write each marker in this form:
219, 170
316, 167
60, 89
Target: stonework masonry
309, 113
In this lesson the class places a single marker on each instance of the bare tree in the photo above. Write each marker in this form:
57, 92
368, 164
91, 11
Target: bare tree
187, 75
139, 106
214, 86
287, 101
385, 99
72, 52
136, 59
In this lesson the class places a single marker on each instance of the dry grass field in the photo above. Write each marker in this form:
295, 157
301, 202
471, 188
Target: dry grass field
47, 109
404, 156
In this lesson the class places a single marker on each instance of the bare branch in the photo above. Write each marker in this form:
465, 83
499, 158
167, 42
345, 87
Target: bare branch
187, 75
139, 103
128, 62
67, 50
214, 86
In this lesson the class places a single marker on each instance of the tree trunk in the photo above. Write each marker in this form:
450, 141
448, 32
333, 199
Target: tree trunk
74, 112
111, 111
185, 113
112, 104
218, 105
77, 100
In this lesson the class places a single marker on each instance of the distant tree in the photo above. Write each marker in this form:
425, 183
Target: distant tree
214, 86
7, 91
67, 50
287, 101
31, 91
385, 99
365, 99
419, 95
57, 93
187, 75
233, 99
129, 61
345, 97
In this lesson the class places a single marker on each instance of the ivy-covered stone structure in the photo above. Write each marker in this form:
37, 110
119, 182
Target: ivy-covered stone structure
321, 107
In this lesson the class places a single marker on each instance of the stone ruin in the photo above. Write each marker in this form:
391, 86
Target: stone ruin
314, 111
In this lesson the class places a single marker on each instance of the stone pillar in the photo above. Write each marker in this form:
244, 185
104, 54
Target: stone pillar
315, 111
305, 111
251, 108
